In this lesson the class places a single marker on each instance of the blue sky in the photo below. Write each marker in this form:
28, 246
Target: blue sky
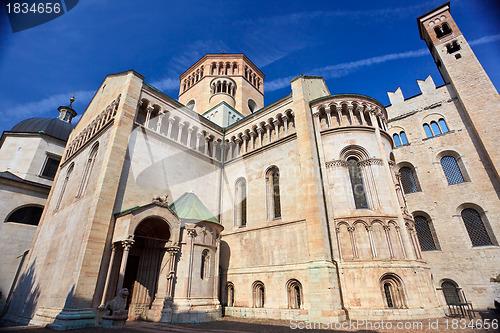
364, 47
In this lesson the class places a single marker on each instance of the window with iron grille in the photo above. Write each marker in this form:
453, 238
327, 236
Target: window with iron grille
450, 292
424, 234
408, 180
452, 170
475, 227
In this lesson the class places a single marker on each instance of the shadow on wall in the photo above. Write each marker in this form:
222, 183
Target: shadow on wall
24, 299
225, 256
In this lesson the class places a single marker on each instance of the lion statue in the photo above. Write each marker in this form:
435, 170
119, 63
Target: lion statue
115, 308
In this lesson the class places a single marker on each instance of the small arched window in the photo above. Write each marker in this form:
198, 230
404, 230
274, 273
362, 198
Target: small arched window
397, 140
88, 170
444, 127
294, 289
230, 294
408, 180
404, 140
240, 203
475, 227
446, 29
392, 290
435, 128
273, 192
451, 293
205, 265
357, 183
252, 105
424, 233
65, 183
26, 215
428, 131
258, 294
452, 170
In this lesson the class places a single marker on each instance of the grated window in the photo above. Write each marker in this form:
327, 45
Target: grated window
452, 170
408, 180
475, 227
424, 234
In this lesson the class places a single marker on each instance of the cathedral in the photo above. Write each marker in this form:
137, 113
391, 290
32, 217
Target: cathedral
316, 207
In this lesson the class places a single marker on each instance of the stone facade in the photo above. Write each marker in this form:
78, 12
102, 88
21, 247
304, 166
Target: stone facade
297, 210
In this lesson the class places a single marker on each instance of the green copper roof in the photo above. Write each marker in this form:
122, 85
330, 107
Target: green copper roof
190, 207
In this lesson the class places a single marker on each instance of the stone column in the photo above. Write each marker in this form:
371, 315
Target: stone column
171, 121
108, 276
353, 242
214, 148
389, 242
351, 116
179, 134
276, 123
268, 129
158, 124
245, 142
216, 269
359, 108
191, 235
190, 132
198, 138
398, 232
231, 146
339, 114
253, 135
126, 244
328, 115
238, 146
150, 109
372, 242
284, 118
317, 123
172, 251
207, 141
260, 130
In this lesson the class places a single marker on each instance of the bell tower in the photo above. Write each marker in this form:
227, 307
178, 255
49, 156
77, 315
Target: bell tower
229, 78
461, 69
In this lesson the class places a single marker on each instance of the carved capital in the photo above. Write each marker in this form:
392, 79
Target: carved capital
191, 232
387, 228
351, 229
127, 243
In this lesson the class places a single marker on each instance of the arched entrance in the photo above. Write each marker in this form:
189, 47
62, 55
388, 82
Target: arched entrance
144, 264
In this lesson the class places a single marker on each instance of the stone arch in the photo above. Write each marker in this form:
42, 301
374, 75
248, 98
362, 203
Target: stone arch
393, 292
295, 295
26, 214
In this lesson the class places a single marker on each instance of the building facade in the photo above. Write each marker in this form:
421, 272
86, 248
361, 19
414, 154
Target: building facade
315, 207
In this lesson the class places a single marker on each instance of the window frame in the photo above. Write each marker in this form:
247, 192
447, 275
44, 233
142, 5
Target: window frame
50, 156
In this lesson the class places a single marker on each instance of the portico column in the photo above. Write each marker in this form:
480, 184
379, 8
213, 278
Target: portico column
353, 242
150, 109
253, 135
214, 148
171, 121
328, 115
179, 134
339, 114
285, 122
276, 123
245, 142
108, 276
349, 108
260, 130
238, 146
127, 244
198, 138
231, 145
158, 124
207, 140
268, 129
190, 132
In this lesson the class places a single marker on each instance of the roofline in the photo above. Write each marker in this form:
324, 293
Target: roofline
433, 11
220, 103
5, 133
208, 55
348, 95
24, 181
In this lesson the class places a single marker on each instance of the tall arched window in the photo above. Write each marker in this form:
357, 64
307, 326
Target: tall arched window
435, 128
205, 265
444, 127
404, 140
258, 294
294, 289
357, 183
408, 180
397, 140
26, 215
273, 192
88, 170
424, 233
452, 170
451, 292
392, 290
240, 203
428, 131
65, 183
475, 228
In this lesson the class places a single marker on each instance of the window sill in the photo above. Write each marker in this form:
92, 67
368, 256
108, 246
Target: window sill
46, 177
460, 184
438, 135
400, 146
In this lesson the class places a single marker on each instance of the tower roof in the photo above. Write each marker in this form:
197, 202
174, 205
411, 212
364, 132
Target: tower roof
190, 207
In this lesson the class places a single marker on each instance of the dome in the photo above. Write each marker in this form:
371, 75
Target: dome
54, 127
